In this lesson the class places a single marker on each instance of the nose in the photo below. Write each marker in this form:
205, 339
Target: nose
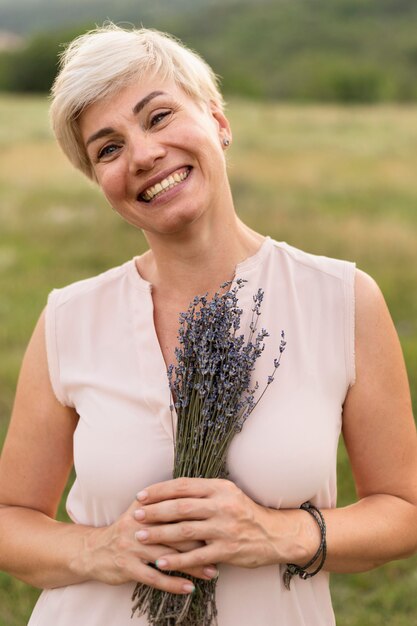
144, 151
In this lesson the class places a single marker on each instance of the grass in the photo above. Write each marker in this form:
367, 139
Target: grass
331, 180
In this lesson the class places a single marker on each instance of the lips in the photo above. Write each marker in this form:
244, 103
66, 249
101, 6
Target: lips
163, 182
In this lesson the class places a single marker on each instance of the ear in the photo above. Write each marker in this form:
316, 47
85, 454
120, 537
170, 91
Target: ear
221, 121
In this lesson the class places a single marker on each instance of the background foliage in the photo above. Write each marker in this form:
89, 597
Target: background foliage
331, 180
345, 51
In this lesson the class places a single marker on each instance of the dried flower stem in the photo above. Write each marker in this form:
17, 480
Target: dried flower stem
211, 390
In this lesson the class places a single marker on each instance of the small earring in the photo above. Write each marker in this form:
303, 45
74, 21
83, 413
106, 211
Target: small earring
226, 141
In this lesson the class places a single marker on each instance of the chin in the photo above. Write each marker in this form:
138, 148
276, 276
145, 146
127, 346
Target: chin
175, 222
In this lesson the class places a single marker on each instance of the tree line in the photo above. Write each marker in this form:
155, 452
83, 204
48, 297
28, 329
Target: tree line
344, 51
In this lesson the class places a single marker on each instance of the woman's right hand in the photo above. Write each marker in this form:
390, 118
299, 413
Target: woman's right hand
113, 555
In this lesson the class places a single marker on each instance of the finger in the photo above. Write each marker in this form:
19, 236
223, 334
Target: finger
184, 546
177, 488
154, 578
176, 510
168, 534
151, 552
205, 573
203, 557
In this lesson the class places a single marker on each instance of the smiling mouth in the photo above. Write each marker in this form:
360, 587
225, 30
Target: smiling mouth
164, 185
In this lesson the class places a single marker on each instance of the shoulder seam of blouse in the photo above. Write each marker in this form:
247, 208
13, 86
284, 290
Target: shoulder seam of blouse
80, 287
52, 352
57, 298
346, 277
349, 296
288, 249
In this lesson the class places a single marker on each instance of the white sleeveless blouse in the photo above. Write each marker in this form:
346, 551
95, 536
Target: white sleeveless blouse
105, 361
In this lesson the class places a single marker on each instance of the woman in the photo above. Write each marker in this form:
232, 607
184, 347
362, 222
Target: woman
142, 116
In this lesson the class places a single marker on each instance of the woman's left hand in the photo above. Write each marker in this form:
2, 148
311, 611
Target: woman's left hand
233, 527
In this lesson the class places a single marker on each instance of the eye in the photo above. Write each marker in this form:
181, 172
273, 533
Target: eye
158, 117
107, 150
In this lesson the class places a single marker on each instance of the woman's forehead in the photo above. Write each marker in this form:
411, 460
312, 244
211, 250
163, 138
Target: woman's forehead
130, 101
138, 93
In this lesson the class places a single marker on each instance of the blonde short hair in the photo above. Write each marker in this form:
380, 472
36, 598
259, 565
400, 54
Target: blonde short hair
103, 61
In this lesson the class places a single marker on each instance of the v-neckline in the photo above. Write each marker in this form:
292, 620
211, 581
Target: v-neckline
241, 267
155, 368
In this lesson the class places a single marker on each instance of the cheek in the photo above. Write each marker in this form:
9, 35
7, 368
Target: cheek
199, 133
205, 144
112, 184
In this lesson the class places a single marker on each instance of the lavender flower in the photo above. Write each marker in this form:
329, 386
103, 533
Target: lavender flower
212, 395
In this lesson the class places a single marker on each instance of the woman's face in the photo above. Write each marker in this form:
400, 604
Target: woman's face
157, 155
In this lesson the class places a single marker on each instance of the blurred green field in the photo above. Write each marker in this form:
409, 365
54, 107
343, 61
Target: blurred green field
331, 180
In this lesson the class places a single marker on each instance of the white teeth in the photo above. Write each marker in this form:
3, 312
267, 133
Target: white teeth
166, 183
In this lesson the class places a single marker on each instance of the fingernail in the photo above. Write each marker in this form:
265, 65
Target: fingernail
141, 535
139, 514
142, 495
211, 572
161, 563
188, 587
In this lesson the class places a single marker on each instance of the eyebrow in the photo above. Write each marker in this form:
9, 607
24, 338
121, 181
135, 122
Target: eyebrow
142, 103
104, 132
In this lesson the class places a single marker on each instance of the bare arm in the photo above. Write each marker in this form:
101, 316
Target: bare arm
380, 436
34, 468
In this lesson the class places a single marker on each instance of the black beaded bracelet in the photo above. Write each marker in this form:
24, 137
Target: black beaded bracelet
297, 570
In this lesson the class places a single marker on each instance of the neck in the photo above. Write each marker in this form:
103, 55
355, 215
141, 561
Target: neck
199, 260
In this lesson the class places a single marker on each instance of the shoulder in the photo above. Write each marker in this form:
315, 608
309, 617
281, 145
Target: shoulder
313, 264
369, 313
379, 360
77, 320
374, 325
368, 294
92, 286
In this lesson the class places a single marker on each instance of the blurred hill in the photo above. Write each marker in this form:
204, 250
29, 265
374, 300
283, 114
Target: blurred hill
31, 16
344, 50
10, 41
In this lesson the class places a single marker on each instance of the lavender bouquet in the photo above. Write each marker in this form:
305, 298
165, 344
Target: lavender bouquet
213, 396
